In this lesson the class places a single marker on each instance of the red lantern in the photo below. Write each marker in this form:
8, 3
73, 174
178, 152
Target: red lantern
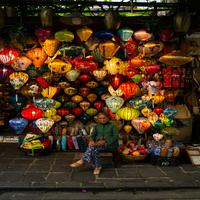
129, 89
99, 105
85, 66
77, 111
130, 71
166, 35
84, 78
42, 82
131, 48
158, 110
8, 55
115, 80
63, 112
31, 112
84, 91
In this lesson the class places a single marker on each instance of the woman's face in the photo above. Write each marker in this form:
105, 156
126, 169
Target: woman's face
102, 119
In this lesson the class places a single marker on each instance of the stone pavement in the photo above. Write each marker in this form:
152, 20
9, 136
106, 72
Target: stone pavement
52, 172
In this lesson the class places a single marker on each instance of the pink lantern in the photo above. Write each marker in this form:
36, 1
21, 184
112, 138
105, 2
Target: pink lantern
141, 124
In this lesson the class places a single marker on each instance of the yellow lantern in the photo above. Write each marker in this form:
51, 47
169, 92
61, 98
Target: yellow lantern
92, 84
91, 111
113, 92
92, 97
49, 92
108, 49
99, 74
115, 66
127, 113
59, 66
84, 33
49, 113
56, 118
70, 91
127, 128
50, 46
77, 98
84, 105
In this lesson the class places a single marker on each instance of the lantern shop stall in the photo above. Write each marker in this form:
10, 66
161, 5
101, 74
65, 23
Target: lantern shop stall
64, 73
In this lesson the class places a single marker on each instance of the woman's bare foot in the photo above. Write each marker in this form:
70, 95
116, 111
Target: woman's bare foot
97, 170
77, 164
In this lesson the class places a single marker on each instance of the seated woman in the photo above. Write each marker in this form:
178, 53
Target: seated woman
103, 136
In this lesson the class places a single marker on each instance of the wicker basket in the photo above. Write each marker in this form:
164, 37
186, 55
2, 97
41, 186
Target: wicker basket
134, 158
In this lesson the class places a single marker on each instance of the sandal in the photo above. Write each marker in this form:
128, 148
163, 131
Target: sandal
97, 170
77, 164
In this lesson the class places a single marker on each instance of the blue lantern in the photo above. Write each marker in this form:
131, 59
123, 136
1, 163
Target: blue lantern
18, 124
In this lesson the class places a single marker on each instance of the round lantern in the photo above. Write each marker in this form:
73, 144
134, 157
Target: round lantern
21, 63
77, 98
59, 66
37, 55
64, 35
8, 55
44, 124
84, 105
114, 103
129, 89
18, 79
31, 113
72, 75
91, 111
99, 74
62, 111
127, 113
84, 78
84, 33
142, 35
85, 66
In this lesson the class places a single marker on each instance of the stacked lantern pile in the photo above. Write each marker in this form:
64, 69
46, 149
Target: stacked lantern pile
71, 76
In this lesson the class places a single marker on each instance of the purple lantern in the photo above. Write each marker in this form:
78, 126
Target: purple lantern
5, 72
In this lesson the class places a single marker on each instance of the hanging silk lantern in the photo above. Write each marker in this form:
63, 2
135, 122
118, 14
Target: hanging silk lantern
153, 118
8, 55
166, 35
49, 92
158, 110
105, 96
99, 74
37, 55
131, 47
86, 66
64, 35
112, 20
56, 118
150, 48
84, 33
127, 128
59, 66
130, 71
84, 105
72, 75
44, 103
63, 112
5, 72
77, 111
84, 91
129, 89
115, 66
42, 82
114, 103
136, 62
104, 35
50, 46
69, 105
72, 52
18, 79
18, 124
152, 69
70, 91
113, 92
158, 97
43, 33
84, 78
49, 113
108, 49
77, 98
46, 16
21, 63
142, 35
99, 105
125, 34
182, 21
92, 97
31, 113
70, 118
48, 76
157, 136
115, 80
91, 111
127, 113
92, 84
44, 124
141, 124
170, 95
57, 104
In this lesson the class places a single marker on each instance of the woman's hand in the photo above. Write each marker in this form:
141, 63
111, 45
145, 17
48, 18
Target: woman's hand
91, 143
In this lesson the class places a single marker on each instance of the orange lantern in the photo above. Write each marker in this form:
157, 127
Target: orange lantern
59, 66
92, 97
129, 89
77, 98
50, 46
84, 33
37, 55
136, 62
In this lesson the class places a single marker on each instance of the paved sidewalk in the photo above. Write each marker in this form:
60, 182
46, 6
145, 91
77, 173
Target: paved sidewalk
52, 172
